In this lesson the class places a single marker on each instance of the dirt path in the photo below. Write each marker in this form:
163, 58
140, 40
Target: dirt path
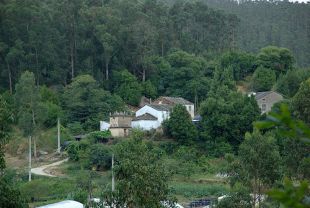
42, 170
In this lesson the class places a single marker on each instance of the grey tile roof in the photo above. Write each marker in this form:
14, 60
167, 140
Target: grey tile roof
260, 95
146, 116
161, 107
178, 100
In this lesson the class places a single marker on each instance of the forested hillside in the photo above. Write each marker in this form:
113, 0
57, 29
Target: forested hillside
59, 40
278, 23
230, 120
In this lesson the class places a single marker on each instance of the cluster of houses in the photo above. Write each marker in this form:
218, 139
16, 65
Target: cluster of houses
151, 114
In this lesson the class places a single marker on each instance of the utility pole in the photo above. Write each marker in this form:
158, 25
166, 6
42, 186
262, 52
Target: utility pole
58, 135
113, 185
29, 158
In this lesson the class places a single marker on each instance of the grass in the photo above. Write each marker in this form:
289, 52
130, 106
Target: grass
191, 180
196, 190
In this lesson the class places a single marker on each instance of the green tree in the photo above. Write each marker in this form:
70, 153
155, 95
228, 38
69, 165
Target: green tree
257, 165
289, 83
100, 157
280, 60
141, 179
128, 87
180, 126
263, 79
242, 63
27, 100
5, 128
85, 102
289, 195
10, 196
149, 90
226, 118
301, 102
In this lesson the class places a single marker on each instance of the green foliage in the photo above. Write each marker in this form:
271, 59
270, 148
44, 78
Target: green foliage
242, 63
289, 83
100, 136
85, 102
5, 128
100, 157
263, 79
280, 60
226, 116
257, 165
291, 195
180, 126
10, 196
128, 88
77, 150
149, 89
301, 102
238, 197
140, 175
27, 100
260, 158
286, 125
199, 190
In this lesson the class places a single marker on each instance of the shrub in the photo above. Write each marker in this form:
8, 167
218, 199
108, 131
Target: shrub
101, 136
100, 156
77, 150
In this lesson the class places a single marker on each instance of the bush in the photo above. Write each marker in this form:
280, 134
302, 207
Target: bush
101, 136
100, 156
77, 150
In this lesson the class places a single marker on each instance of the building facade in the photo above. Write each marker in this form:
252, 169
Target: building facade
265, 100
120, 124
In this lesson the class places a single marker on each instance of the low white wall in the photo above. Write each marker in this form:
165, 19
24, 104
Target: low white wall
145, 125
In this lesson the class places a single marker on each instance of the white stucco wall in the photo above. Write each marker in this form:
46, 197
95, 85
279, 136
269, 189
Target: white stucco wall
104, 126
190, 109
161, 115
145, 125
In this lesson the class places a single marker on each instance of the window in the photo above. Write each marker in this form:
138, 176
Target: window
264, 107
190, 108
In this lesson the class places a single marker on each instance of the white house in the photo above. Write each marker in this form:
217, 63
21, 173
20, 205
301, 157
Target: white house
104, 126
151, 116
145, 122
172, 101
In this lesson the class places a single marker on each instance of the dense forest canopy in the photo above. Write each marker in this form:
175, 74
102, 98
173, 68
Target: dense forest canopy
58, 40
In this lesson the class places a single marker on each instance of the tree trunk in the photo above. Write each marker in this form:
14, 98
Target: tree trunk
106, 70
34, 140
259, 193
143, 75
34, 148
37, 66
72, 60
29, 158
162, 48
10, 78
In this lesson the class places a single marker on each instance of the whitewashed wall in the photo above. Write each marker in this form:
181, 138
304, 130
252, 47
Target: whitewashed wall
191, 110
145, 125
161, 115
104, 126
